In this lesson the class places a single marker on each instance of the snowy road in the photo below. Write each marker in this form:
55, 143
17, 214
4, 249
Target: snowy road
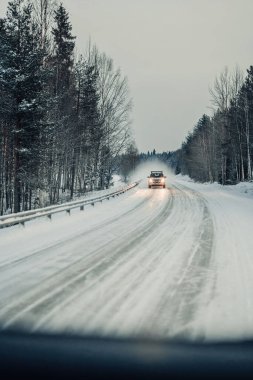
163, 262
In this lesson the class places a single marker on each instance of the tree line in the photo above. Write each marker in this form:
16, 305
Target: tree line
132, 158
64, 119
220, 147
168, 158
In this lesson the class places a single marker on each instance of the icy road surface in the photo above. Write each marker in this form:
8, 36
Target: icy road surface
175, 262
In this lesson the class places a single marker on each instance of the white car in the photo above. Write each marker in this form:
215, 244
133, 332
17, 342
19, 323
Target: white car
156, 179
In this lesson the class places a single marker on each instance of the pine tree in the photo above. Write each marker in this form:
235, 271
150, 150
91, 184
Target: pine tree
23, 77
59, 142
247, 94
63, 51
87, 130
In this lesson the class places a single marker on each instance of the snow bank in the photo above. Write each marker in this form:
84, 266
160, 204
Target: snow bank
227, 300
242, 188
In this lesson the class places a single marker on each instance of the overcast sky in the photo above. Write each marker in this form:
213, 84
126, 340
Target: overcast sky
171, 51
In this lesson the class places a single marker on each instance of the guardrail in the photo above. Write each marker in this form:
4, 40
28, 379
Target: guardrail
27, 216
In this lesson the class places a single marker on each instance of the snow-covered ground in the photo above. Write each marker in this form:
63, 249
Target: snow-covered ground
227, 309
175, 262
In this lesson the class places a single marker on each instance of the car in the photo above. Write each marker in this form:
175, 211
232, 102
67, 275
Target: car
156, 179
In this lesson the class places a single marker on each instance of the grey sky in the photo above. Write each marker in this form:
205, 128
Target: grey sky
171, 51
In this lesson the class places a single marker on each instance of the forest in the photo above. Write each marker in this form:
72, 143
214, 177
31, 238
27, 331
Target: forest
64, 118
220, 147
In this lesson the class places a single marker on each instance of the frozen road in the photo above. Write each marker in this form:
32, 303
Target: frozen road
163, 262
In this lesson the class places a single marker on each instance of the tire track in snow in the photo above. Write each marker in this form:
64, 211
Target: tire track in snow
41, 252
182, 303
112, 313
131, 271
67, 281
118, 302
46, 254
234, 286
129, 291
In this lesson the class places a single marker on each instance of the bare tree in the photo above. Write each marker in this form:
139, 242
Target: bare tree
221, 97
237, 79
236, 82
115, 106
44, 13
247, 134
222, 91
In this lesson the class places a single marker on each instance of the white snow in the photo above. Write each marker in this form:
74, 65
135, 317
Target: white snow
174, 262
227, 310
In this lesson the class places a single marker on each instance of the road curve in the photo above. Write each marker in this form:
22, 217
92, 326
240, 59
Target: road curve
136, 265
